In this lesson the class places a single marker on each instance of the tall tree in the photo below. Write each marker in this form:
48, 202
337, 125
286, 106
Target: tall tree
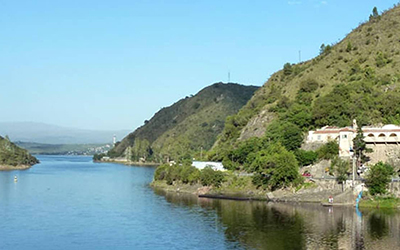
375, 12
360, 146
341, 168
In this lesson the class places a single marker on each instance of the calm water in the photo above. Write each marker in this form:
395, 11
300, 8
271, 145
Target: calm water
71, 203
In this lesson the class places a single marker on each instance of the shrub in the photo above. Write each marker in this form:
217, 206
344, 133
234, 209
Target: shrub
275, 167
378, 178
349, 47
98, 157
328, 151
161, 172
287, 69
308, 86
210, 177
305, 157
286, 133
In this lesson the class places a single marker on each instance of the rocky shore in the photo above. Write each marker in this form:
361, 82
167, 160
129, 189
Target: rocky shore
314, 193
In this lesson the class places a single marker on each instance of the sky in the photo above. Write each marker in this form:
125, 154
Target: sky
109, 65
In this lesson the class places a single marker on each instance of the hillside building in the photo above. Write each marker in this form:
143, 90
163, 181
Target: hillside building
380, 139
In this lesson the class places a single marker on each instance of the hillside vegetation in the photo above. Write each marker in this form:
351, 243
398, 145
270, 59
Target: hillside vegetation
357, 78
12, 155
185, 128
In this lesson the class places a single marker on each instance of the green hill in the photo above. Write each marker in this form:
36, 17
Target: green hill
356, 78
186, 127
12, 155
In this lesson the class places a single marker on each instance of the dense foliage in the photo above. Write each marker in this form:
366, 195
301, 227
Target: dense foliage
357, 78
12, 155
275, 167
187, 174
184, 129
378, 178
328, 151
305, 157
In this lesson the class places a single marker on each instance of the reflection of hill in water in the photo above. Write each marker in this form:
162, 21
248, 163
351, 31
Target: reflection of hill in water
262, 225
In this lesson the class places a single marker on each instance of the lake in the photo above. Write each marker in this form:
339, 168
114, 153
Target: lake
69, 202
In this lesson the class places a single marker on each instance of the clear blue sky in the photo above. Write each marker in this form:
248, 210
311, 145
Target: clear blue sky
113, 64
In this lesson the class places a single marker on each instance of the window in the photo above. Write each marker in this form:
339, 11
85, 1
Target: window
344, 136
319, 138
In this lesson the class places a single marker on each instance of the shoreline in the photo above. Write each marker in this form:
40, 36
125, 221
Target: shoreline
243, 195
130, 163
11, 168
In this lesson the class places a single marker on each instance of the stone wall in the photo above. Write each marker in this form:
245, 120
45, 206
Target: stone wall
394, 188
385, 153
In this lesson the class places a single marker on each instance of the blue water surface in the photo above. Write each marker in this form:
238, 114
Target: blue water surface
69, 202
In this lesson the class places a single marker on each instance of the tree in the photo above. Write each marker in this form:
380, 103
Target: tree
275, 167
375, 12
286, 133
341, 168
322, 49
360, 147
287, 69
305, 157
328, 151
210, 177
378, 178
325, 49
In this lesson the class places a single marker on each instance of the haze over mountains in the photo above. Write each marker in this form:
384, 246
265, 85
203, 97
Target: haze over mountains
52, 134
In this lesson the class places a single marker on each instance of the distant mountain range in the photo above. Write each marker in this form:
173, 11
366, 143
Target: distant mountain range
52, 134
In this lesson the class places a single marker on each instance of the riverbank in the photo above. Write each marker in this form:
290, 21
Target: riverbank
380, 202
241, 188
10, 168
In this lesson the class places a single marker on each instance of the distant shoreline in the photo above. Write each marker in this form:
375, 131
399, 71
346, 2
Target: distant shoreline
129, 163
11, 168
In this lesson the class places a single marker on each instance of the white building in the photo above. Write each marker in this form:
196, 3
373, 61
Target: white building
373, 136
214, 165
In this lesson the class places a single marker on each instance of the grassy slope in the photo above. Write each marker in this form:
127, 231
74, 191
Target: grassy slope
12, 155
193, 121
378, 36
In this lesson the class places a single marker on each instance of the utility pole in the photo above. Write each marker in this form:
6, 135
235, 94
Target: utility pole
354, 169
299, 56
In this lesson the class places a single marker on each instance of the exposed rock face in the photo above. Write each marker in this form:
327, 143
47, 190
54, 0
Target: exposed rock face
317, 170
385, 153
257, 125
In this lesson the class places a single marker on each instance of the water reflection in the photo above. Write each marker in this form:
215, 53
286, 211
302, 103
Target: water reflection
261, 225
